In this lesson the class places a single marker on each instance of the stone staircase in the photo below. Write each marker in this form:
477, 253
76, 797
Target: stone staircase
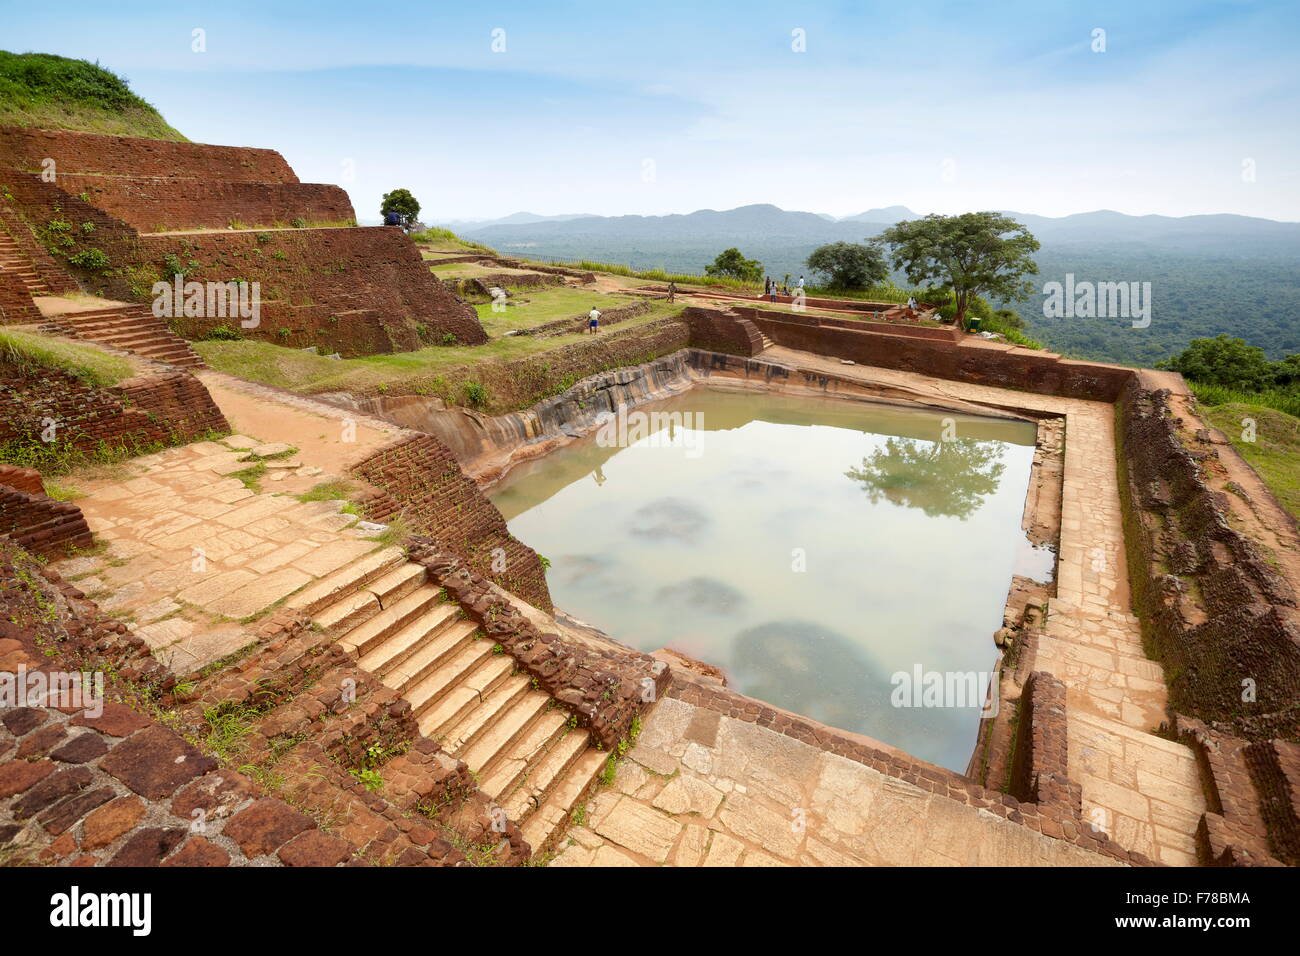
521, 746
12, 260
131, 328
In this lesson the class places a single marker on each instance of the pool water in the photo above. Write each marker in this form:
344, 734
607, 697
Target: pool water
814, 549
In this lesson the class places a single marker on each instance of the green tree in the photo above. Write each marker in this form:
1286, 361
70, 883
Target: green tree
732, 264
1287, 371
974, 253
1224, 361
401, 202
849, 265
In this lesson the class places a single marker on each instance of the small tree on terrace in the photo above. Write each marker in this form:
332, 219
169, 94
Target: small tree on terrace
976, 253
850, 265
401, 203
732, 264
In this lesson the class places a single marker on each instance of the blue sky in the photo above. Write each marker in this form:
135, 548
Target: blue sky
671, 107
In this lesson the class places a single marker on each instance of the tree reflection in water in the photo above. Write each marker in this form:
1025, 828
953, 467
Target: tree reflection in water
942, 478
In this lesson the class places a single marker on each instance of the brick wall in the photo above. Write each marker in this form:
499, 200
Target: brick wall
419, 480
1016, 368
722, 331
37, 213
152, 204
148, 411
1213, 609
357, 291
1039, 769
23, 148
40, 524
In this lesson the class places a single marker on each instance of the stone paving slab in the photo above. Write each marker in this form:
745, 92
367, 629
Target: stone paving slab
190, 555
743, 795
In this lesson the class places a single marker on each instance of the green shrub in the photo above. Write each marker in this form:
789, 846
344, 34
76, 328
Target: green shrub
475, 393
94, 260
223, 333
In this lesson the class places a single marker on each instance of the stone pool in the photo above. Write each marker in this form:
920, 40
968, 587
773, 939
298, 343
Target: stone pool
825, 554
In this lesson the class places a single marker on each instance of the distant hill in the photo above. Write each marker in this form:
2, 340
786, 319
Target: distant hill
514, 219
1209, 274
890, 214
54, 92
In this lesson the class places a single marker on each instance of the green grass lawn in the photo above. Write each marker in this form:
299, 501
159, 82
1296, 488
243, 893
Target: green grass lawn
532, 307
32, 350
1275, 453
305, 372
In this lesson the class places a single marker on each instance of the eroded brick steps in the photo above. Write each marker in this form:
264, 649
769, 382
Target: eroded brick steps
522, 747
132, 328
13, 261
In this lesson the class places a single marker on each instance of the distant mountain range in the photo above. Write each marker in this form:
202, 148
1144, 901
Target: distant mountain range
1209, 274
765, 221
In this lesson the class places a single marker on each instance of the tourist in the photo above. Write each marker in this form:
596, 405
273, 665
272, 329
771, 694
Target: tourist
672, 291
911, 302
801, 282
593, 320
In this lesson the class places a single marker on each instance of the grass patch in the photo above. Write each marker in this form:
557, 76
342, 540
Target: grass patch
328, 491
1276, 398
61, 492
444, 240
1275, 452
31, 350
416, 372
250, 476
55, 92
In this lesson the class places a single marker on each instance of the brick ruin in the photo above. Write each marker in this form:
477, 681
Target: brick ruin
120, 214
122, 784
418, 479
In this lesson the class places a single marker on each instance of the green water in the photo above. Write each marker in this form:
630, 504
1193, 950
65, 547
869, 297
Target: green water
810, 548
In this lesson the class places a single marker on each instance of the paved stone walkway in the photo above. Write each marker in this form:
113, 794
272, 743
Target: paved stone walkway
193, 555
701, 789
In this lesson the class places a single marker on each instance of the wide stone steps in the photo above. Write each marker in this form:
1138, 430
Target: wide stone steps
133, 329
465, 692
320, 600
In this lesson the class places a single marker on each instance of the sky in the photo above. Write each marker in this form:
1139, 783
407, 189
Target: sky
483, 109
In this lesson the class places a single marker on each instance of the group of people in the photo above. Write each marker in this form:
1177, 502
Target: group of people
772, 288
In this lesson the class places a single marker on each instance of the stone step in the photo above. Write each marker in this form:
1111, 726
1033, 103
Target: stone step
362, 640
505, 731
457, 737
464, 696
401, 644
438, 682
506, 773
370, 598
346, 580
435, 650
546, 824
535, 782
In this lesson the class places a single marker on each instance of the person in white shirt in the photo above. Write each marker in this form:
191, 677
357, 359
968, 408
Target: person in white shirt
593, 320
